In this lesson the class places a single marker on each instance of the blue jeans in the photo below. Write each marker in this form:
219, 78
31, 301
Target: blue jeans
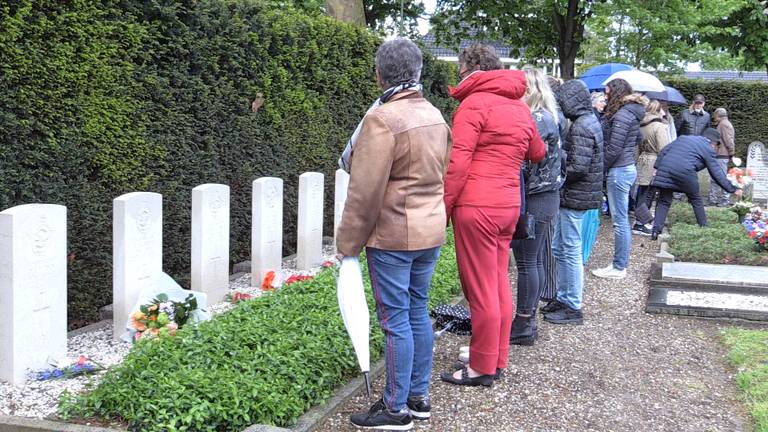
400, 281
566, 245
618, 183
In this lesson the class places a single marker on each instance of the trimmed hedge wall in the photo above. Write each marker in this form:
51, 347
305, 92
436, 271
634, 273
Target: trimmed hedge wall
104, 97
746, 102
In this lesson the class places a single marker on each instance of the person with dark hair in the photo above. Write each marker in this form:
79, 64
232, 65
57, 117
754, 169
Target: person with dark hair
394, 209
677, 167
621, 130
582, 191
493, 134
725, 148
694, 120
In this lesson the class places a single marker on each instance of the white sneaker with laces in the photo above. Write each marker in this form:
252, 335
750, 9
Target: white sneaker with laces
610, 272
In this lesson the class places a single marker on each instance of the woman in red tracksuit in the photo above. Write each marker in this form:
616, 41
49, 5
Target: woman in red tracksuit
493, 134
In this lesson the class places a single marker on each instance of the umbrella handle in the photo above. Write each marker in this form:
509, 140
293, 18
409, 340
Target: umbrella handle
367, 377
447, 327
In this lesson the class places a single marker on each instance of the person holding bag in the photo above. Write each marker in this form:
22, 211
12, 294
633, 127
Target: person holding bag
541, 200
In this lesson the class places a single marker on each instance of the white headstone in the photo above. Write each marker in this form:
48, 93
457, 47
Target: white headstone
757, 165
33, 288
340, 198
309, 250
210, 241
138, 250
267, 228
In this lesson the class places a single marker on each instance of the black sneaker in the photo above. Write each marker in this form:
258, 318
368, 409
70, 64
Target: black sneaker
641, 229
379, 417
419, 407
552, 306
565, 316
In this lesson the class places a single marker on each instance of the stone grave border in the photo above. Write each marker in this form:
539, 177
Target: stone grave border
307, 422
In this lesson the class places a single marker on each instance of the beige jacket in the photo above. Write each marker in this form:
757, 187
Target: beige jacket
655, 137
398, 165
726, 147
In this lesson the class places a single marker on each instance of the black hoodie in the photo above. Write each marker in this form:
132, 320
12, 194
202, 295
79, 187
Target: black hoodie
583, 188
622, 132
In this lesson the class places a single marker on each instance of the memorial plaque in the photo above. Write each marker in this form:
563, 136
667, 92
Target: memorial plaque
267, 228
309, 250
210, 241
33, 288
757, 166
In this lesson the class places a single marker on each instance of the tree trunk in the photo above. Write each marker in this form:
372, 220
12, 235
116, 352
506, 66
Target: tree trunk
350, 11
570, 28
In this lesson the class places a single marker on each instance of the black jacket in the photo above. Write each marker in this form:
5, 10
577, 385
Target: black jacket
545, 176
622, 132
690, 122
679, 162
583, 188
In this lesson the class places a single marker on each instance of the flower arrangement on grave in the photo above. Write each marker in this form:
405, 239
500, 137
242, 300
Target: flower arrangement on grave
238, 296
741, 208
740, 179
162, 317
67, 368
756, 224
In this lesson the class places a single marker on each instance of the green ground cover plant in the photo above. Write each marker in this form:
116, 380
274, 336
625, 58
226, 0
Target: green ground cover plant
267, 361
749, 355
723, 241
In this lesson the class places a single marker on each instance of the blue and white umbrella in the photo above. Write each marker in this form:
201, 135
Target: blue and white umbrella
595, 76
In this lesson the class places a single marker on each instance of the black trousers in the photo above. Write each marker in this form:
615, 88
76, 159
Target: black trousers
665, 201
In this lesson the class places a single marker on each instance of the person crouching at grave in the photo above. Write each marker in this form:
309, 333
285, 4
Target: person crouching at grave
395, 210
582, 191
677, 167
493, 134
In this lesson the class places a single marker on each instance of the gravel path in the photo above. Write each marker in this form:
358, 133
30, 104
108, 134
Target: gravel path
623, 370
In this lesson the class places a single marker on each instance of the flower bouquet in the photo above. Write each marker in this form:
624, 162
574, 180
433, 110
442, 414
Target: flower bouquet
741, 208
67, 369
756, 224
162, 316
739, 179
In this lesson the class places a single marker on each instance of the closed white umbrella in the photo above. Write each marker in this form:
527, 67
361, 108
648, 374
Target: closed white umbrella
639, 80
354, 312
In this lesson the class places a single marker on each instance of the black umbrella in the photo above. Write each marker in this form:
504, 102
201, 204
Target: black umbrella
453, 318
669, 94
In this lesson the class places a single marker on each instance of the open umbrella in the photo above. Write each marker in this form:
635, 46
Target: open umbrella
639, 80
670, 95
354, 312
595, 76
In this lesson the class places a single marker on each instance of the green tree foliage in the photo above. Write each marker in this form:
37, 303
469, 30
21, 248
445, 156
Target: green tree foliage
380, 15
104, 97
744, 33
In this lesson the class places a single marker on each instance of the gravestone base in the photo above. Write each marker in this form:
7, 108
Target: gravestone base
709, 290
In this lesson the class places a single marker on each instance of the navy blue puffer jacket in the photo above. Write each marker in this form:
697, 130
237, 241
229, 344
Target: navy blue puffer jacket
679, 162
622, 132
583, 188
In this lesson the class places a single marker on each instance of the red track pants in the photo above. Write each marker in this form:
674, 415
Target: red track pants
482, 253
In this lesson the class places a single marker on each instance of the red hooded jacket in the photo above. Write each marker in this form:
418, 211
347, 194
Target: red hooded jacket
493, 133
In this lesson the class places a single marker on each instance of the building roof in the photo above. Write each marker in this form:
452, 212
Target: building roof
430, 43
728, 75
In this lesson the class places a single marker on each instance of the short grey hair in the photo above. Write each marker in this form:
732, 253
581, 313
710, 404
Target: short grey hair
721, 113
399, 61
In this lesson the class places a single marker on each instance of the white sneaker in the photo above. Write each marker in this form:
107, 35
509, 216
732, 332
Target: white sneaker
464, 348
609, 272
464, 357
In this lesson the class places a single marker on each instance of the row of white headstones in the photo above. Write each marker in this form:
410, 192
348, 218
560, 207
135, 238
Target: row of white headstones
33, 258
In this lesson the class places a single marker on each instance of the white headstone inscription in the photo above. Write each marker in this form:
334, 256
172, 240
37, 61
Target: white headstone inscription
210, 240
309, 250
138, 250
267, 228
757, 165
33, 288
340, 198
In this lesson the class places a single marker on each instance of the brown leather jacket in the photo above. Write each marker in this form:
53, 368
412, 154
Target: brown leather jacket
398, 165
726, 147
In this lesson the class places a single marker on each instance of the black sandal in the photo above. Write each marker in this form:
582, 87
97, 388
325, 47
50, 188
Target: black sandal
461, 365
482, 380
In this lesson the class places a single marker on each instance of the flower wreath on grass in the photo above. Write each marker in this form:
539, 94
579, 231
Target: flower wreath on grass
162, 316
756, 224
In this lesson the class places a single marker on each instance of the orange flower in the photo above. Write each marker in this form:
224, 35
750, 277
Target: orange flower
266, 284
138, 315
139, 326
153, 308
154, 331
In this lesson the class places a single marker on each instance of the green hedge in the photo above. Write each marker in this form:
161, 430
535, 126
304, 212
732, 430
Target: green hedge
267, 361
746, 102
104, 97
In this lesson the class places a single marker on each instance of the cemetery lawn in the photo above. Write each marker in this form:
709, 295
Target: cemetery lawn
749, 355
723, 241
267, 361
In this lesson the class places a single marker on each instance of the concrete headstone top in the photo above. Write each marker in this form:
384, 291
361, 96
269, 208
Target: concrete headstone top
757, 164
720, 274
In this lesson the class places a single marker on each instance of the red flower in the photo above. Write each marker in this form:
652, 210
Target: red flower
328, 264
238, 297
296, 278
81, 360
266, 284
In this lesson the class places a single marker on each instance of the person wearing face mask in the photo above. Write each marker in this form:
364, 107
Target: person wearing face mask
694, 120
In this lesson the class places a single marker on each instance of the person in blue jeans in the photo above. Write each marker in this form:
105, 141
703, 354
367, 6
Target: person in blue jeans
582, 191
397, 161
621, 130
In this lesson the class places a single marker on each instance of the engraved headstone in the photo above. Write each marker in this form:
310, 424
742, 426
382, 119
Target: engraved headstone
267, 228
757, 165
33, 288
210, 240
340, 198
309, 250
138, 251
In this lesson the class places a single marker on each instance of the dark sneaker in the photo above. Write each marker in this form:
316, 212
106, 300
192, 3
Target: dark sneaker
654, 235
379, 417
641, 229
552, 306
565, 316
419, 407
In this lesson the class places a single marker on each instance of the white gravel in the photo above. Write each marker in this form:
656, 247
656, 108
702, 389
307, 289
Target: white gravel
40, 398
718, 300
